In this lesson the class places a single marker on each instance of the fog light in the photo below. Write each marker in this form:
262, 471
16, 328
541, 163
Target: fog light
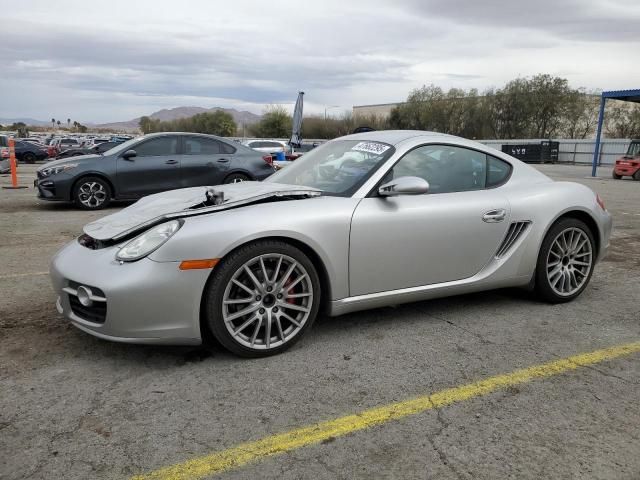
84, 296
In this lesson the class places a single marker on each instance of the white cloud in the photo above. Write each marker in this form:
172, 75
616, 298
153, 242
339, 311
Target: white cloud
108, 61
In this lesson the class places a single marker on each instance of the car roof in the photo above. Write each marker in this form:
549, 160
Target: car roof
393, 137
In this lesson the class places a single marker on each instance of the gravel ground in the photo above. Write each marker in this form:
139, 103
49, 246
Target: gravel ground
72, 406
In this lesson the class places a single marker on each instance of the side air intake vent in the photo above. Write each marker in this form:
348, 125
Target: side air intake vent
515, 231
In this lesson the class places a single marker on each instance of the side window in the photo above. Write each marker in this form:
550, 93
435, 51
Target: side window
497, 171
446, 168
201, 146
157, 146
226, 148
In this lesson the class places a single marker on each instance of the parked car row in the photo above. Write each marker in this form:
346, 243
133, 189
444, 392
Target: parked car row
27, 152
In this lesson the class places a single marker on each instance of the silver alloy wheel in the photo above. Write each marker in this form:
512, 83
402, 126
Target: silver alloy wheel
92, 194
267, 301
237, 180
569, 261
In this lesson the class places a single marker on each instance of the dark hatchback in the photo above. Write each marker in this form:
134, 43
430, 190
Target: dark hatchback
149, 164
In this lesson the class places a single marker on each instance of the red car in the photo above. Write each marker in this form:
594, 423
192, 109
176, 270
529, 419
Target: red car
629, 164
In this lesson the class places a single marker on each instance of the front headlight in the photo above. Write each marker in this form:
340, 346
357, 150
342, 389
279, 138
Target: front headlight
45, 172
144, 244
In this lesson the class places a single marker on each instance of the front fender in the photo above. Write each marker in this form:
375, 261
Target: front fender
321, 223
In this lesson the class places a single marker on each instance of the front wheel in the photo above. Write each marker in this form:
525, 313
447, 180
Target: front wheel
616, 176
636, 176
262, 298
236, 178
92, 193
29, 158
565, 262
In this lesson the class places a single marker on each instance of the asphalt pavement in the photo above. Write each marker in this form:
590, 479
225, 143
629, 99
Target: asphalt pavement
72, 406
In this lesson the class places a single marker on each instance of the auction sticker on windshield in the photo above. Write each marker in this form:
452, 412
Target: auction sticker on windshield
371, 147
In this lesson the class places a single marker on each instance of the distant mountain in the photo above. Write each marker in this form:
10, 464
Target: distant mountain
165, 115
27, 121
240, 117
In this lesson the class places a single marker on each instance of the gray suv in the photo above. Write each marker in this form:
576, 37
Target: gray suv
149, 164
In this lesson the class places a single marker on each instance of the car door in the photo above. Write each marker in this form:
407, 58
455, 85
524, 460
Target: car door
447, 234
154, 168
204, 161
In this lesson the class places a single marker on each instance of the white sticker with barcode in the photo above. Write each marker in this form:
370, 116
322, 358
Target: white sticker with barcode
371, 147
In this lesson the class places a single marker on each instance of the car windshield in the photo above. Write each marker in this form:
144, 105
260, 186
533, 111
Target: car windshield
121, 147
338, 168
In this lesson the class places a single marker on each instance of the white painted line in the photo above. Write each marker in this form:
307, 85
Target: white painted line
18, 275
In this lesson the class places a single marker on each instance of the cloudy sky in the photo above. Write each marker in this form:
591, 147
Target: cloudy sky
116, 60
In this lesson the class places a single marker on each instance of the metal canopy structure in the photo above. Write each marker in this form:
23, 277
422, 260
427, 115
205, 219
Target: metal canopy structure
624, 95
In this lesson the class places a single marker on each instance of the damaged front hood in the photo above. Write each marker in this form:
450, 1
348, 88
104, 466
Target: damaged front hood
188, 202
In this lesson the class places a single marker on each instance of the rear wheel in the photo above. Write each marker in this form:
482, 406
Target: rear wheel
616, 176
236, 178
565, 262
92, 193
636, 176
262, 298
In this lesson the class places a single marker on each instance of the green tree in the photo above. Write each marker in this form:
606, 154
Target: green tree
215, 123
622, 120
581, 114
275, 123
145, 124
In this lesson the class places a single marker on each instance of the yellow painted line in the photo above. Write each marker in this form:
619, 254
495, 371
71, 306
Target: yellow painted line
18, 275
244, 453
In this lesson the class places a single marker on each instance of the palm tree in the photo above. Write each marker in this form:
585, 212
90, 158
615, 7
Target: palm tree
58, 122
68, 122
53, 123
75, 125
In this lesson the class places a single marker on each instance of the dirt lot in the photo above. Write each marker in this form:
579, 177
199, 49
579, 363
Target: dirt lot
72, 406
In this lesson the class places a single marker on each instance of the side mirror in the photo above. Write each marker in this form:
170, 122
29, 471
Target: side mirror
404, 186
129, 154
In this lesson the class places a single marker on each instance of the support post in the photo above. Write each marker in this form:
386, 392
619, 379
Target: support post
596, 151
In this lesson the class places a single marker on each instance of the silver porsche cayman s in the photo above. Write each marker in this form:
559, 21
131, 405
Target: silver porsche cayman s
363, 221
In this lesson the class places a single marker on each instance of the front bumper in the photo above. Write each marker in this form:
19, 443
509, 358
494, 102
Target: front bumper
46, 189
146, 301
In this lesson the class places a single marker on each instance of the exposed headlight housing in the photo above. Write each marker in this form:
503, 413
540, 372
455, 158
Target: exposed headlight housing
151, 240
45, 172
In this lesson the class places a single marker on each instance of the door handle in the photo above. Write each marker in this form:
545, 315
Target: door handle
223, 160
171, 162
494, 216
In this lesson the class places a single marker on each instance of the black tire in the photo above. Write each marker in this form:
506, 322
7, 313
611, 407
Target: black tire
615, 175
88, 197
543, 286
29, 157
222, 277
236, 178
636, 176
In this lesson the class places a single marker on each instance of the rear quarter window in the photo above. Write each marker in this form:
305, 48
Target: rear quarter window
498, 171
